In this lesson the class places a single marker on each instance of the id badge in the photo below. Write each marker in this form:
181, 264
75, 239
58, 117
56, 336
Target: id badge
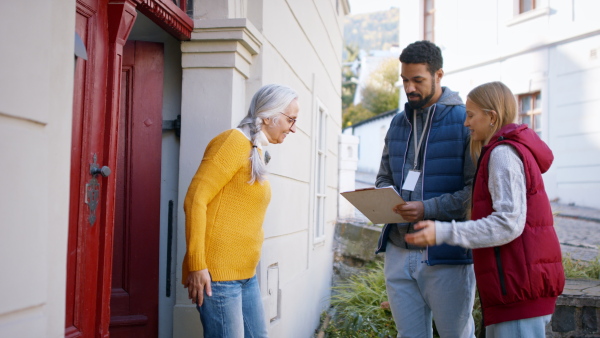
411, 180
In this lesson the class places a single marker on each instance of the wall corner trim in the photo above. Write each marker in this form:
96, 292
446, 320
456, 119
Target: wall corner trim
239, 29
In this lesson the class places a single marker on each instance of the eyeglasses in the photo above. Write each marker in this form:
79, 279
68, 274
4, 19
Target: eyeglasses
291, 120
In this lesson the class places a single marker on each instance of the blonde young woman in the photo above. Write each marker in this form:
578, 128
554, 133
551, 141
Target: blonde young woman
225, 207
517, 257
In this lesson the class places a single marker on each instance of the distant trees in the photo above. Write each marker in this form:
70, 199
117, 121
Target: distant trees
349, 76
372, 31
379, 95
369, 31
355, 114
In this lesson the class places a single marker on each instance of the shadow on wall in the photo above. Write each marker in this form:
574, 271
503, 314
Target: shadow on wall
573, 121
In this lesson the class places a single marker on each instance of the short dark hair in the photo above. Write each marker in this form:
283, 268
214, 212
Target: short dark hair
423, 52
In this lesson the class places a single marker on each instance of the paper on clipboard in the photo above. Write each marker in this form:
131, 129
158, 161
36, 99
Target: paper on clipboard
377, 204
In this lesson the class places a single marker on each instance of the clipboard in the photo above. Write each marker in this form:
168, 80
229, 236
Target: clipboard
377, 204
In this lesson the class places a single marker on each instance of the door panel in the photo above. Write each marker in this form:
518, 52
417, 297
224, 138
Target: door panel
134, 297
86, 201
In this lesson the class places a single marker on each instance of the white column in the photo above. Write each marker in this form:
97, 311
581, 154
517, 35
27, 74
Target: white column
216, 64
348, 155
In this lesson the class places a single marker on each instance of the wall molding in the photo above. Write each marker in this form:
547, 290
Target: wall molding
168, 16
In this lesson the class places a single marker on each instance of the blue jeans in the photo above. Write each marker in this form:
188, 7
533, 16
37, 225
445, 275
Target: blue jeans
417, 292
235, 310
523, 328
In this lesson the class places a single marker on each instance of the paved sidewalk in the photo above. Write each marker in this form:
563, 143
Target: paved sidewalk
578, 230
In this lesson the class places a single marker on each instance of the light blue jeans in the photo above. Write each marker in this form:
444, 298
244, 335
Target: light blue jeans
523, 328
235, 310
417, 292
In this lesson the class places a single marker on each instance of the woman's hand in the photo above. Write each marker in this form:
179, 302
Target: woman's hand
424, 237
197, 283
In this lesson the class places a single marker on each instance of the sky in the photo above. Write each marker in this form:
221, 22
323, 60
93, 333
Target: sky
365, 6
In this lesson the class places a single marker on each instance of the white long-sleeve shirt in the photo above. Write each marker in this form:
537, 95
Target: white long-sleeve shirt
506, 183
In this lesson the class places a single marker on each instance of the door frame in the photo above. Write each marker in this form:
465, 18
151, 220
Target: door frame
121, 15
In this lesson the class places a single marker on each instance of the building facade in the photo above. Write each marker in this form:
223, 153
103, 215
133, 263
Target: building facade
547, 52
101, 139
371, 135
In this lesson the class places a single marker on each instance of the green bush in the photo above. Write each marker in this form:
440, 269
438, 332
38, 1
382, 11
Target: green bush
575, 268
358, 311
357, 304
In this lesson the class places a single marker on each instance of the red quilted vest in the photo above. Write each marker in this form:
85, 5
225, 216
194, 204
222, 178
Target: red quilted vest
523, 278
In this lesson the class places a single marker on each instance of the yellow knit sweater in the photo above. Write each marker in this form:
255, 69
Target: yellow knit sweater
223, 213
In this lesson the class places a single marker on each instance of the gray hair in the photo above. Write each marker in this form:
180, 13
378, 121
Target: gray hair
267, 103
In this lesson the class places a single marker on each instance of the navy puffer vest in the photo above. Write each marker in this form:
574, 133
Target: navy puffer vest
442, 170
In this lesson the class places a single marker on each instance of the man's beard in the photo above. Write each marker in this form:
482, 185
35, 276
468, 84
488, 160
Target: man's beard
423, 102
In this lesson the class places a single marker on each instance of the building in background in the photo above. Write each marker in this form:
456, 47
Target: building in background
547, 52
371, 135
100, 148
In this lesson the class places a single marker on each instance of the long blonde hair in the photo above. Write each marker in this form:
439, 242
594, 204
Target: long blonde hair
493, 97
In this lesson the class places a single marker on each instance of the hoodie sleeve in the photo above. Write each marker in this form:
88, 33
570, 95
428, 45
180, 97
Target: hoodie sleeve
384, 176
455, 205
506, 183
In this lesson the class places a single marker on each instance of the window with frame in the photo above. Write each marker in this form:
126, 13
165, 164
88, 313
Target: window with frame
530, 111
428, 20
186, 5
526, 5
320, 174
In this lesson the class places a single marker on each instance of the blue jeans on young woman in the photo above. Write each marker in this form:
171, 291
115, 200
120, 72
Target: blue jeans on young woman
523, 328
417, 292
234, 310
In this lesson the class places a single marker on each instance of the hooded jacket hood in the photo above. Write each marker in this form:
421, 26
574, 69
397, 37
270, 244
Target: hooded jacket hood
449, 98
522, 134
447, 101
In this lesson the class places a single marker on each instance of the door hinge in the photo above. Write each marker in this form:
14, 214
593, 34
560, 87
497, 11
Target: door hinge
173, 125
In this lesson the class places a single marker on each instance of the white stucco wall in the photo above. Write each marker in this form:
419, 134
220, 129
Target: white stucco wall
35, 147
302, 47
293, 43
348, 156
554, 49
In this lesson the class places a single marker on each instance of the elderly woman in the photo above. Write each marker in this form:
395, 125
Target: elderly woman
516, 256
225, 207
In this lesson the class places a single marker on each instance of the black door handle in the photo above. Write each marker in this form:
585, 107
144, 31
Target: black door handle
104, 171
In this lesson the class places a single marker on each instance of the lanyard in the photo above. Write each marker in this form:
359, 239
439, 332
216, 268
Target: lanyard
420, 142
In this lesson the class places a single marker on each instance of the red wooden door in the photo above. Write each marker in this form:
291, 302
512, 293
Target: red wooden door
134, 296
88, 198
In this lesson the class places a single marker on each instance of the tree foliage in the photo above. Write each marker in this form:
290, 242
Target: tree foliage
354, 114
372, 31
349, 81
381, 94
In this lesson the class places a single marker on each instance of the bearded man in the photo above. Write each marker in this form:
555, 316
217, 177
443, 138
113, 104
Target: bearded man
426, 158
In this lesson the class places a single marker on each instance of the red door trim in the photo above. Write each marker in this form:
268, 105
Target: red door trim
89, 98
121, 17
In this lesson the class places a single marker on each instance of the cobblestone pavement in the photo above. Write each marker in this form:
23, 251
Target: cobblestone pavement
578, 230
